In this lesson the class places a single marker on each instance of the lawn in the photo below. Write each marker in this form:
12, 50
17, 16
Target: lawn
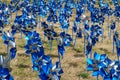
74, 61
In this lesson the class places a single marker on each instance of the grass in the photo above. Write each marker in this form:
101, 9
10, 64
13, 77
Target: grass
79, 49
73, 64
83, 75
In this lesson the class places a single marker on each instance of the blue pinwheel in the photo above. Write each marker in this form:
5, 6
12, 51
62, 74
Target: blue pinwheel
96, 31
4, 14
63, 19
41, 62
4, 72
61, 50
56, 71
23, 23
113, 25
49, 33
79, 11
53, 7
117, 11
98, 65
92, 38
11, 46
66, 38
49, 71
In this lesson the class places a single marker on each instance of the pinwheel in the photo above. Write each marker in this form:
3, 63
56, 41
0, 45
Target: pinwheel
56, 71
63, 20
16, 27
43, 10
88, 46
10, 42
48, 71
86, 30
99, 65
51, 34
115, 2
66, 38
103, 66
115, 70
41, 62
63, 41
80, 17
109, 13
4, 71
4, 15
68, 8
24, 23
11, 53
79, 11
78, 33
61, 48
107, 10
34, 46
97, 14
96, 30
13, 7
92, 38
59, 11
53, 7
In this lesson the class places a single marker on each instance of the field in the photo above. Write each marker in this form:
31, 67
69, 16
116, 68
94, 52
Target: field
73, 63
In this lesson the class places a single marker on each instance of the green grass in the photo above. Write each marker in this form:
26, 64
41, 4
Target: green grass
79, 49
83, 75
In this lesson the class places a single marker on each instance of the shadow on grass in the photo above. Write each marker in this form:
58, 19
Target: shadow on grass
84, 75
3, 53
105, 50
44, 41
22, 66
10, 69
53, 56
78, 50
72, 64
79, 55
23, 55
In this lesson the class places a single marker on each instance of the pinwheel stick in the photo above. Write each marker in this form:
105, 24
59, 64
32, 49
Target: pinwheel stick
20, 34
8, 57
57, 40
59, 57
39, 20
97, 77
109, 31
11, 19
50, 44
102, 34
113, 43
44, 37
74, 41
84, 42
73, 36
